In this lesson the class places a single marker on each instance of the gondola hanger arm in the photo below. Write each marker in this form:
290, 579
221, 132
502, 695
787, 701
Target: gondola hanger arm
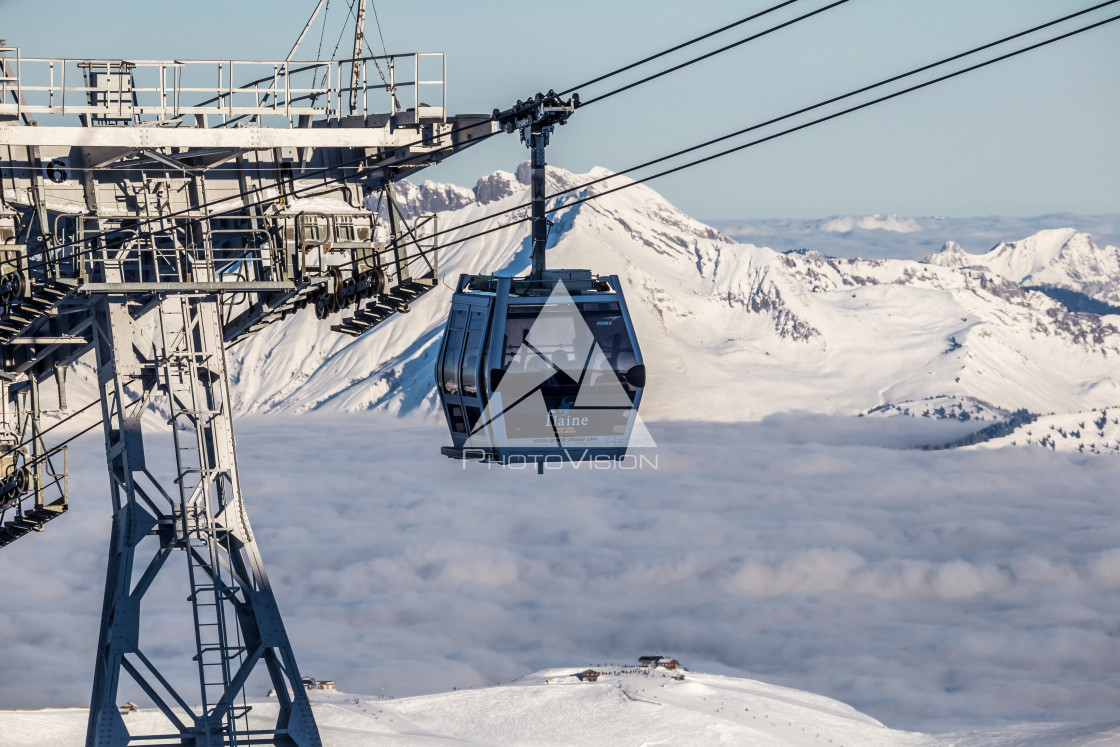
535, 119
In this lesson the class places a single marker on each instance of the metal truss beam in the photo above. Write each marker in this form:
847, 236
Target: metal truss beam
246, 138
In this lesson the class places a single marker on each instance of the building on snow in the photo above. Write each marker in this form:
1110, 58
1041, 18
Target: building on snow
653, 662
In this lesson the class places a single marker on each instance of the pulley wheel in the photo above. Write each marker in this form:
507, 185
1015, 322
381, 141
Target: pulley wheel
373, 285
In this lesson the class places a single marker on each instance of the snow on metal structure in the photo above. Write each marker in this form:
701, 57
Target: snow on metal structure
146, 214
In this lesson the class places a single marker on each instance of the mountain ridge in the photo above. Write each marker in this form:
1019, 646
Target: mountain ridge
1061, 258
730, 332
805, 331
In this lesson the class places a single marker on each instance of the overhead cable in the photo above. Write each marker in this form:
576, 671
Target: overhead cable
713, 53
678, 47
194, 219
754, 143
361, 172
803, 110
850, 110
423, 252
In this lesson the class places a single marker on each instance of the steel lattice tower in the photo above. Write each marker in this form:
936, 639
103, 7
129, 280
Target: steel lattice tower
156, 232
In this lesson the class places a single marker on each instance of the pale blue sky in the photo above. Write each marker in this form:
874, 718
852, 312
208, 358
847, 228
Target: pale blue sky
1034, 135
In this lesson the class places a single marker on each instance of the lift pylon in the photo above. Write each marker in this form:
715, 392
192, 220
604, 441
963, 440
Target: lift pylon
196, 509
156, 221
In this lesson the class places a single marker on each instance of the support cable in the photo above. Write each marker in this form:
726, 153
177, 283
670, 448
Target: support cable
864, 89
384, 50
337, 44
849, 110
753, 143
803, 110
323, 31
47, 430
377, 21
46, 455
423, 252
688, 43
713, 53
362, 172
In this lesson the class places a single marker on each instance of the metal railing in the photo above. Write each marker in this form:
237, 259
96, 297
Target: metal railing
232, 250
142, 91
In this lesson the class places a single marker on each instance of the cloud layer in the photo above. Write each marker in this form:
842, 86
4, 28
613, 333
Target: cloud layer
933, 590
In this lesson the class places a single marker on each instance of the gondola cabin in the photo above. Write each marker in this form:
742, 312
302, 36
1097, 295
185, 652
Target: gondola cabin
539, 370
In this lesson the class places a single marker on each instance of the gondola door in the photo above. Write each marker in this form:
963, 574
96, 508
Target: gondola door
459, 371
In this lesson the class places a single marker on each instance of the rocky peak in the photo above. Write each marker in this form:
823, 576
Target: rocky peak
497, 186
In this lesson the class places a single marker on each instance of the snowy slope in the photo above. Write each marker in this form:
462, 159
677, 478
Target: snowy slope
729, 331
1093, 432
622, 708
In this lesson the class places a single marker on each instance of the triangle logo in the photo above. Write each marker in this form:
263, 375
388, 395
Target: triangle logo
560, 388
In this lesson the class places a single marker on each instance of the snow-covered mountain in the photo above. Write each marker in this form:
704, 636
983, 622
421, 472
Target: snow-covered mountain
1055, 259
734, 331
552, 707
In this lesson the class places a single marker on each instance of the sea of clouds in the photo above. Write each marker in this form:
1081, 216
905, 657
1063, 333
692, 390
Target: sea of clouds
892, 236
934, 590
